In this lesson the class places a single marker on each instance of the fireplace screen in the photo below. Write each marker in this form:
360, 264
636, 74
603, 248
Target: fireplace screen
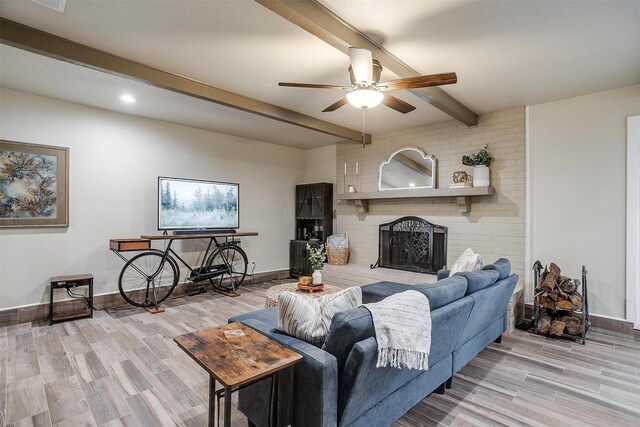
413, 244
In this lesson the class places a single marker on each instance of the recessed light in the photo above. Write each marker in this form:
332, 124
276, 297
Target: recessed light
127, 99
412, 184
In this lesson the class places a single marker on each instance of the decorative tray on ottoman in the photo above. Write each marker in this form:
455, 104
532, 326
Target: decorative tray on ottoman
311, 289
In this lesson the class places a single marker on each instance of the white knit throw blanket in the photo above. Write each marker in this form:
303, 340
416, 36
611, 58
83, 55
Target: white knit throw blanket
403, 330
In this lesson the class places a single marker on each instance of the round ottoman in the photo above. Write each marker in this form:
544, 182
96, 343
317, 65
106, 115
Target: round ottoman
271, 296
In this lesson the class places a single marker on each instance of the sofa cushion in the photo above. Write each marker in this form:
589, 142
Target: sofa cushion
268, 316
376, 292
443, 274
468, 261
477, 280
443, 291
347, 328
308, 319
489, 304
503, 266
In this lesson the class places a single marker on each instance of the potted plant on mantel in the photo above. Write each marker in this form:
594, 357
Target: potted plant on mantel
480, 162
317, 256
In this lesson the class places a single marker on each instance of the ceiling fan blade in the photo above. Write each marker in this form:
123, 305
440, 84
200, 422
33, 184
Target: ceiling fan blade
397, 104
333, 107
313, 86
352, 76
362, 64
421, 81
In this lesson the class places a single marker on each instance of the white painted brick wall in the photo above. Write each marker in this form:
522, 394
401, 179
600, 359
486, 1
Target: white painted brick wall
495, 225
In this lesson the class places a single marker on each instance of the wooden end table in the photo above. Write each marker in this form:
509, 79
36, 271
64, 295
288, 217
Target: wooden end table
237, 362
68, 283
271, 296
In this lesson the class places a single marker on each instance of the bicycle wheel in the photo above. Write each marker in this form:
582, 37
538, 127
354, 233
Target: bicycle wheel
231, 262
144, 274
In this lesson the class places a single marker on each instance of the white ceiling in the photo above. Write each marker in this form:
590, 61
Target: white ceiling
505, 53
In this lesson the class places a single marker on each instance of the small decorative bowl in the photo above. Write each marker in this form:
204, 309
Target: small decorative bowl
305, 280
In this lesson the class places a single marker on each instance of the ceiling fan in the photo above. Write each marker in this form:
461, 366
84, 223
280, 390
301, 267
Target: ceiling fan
366, 91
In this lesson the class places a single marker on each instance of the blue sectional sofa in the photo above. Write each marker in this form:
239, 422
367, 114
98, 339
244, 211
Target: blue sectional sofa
338, 384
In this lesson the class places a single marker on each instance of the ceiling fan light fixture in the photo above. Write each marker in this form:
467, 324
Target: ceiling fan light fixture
364, 98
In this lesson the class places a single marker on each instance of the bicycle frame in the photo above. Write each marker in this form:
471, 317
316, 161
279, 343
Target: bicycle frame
219, 264
169, 251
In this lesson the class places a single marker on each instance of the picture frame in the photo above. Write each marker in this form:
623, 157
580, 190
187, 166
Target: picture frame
34, 185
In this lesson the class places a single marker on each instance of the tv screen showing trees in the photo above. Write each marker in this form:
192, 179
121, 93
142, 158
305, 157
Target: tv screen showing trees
186, 204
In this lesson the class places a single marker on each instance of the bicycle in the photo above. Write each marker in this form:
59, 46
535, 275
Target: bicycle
150, 277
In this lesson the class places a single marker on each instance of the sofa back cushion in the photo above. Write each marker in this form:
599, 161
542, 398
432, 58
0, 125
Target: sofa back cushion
489, 304
347, 328
376, 292
444, 291
477, 280
502, 266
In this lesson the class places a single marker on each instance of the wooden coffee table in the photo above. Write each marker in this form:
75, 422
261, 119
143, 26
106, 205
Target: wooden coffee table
236, 362
271, 296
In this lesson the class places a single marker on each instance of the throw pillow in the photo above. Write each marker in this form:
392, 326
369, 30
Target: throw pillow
468, 261
309, 319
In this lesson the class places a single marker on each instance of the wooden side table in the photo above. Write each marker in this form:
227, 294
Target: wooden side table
70, 282
237, 362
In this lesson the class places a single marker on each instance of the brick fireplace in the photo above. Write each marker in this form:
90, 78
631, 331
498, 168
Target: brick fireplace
495, 226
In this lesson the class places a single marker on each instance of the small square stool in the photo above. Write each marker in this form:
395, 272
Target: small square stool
71, 282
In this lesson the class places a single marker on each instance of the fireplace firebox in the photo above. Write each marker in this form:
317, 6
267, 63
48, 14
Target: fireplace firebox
411, 243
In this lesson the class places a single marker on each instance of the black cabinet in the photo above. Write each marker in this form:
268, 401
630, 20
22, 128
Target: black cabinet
314, 201
298, 257
314, 223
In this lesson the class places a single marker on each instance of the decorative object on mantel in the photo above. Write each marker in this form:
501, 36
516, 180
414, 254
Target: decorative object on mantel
317, 256
406, 169
480, 162
461, 180
559, 308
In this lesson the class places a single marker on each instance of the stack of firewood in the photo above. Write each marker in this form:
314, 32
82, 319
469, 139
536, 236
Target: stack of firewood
558, 300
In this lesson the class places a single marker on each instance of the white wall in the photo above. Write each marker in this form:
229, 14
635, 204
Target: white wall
320, 165
115, 160
578, 191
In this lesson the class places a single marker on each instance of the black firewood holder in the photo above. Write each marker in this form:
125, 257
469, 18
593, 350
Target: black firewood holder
584, 311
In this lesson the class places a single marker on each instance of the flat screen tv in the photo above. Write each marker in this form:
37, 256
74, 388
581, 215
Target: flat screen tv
193, 204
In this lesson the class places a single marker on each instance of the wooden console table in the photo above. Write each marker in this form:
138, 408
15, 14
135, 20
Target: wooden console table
237, 362
142, 284
197, 236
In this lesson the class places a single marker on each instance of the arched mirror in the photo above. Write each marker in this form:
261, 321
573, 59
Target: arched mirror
408, 168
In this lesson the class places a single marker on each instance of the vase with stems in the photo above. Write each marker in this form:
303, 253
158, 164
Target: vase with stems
480, 162
317, 257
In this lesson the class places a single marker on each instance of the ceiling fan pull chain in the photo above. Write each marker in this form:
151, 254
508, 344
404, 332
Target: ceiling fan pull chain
363, 128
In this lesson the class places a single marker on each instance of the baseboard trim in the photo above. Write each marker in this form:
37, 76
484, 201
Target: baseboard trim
40, 312
602, 324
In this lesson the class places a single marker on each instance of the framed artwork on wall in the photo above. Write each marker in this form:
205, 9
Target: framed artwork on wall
34, 185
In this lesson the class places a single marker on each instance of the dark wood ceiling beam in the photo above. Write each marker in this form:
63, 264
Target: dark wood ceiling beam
33, 40
316, 19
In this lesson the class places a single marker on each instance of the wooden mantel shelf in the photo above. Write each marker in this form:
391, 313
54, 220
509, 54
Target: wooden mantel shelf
462, 195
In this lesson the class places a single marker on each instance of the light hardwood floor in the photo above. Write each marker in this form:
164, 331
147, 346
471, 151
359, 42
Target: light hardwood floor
123, 369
